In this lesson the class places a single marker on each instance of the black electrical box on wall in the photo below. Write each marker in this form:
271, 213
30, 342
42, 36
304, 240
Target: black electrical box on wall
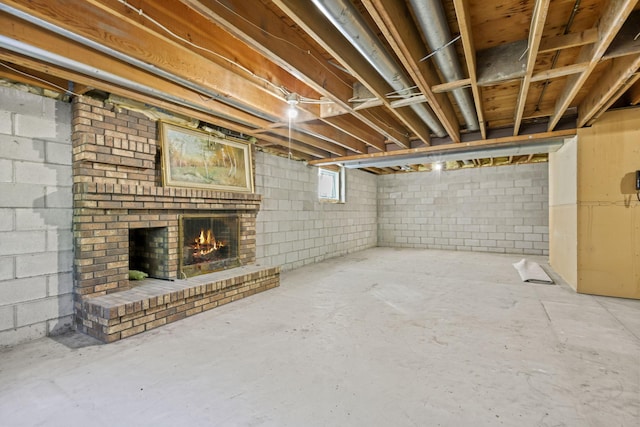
638, 180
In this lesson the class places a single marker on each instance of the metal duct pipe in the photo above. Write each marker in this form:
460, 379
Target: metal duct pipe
433, 23
351, 25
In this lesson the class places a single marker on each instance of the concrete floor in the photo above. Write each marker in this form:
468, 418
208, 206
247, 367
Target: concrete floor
383, 337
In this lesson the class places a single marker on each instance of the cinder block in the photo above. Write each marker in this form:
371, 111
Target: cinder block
43, 219
60, 325
541, 245
36, 173
59, 284
6, 170
7, 268
514, 236
35, 126
6, 317
59, 197
20, 148
44, 309
532, 206
21, 290
59, 240
13, 337
21, 242
43, 263
6, 120
7, 220
533, 237
523, 245
58, 153
22, 102
514, 191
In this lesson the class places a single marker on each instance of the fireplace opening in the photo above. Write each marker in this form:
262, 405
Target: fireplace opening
209, 243
148, 251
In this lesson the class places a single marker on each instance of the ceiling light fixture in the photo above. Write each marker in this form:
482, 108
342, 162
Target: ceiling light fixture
292, 100
437, 166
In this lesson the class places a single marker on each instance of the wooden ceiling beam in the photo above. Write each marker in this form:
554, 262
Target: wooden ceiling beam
627, 41
338, 134
567, 41
361, 133
311, 20
318, 141
533, 43
216, 44
21, 74
119, 34
621, 91
249, 22
451, 86
127, 76
559, 72
162, 85
260, 29
207, 113
293, 144
634, 94
464, 23
618, 75
612, 19
403, 37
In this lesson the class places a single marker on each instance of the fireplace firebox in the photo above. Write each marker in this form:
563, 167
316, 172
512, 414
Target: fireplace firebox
208, 243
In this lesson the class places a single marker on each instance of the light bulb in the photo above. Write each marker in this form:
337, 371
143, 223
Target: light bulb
437, 166
292, 100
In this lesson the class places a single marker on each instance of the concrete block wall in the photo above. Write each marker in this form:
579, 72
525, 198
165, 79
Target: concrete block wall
35, 217
294, 229
498, 209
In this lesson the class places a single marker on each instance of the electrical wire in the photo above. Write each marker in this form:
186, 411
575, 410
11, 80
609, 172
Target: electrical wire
397, 93
190, 43
307, 51
283, 90
289, 137
39, 79
449, 43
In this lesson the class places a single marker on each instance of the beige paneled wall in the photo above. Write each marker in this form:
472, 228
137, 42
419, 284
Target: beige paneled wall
608, 210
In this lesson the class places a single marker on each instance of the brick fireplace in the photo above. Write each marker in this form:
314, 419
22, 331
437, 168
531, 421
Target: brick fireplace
124, 219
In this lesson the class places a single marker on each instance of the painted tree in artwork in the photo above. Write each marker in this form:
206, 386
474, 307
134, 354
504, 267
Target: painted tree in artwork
205, 148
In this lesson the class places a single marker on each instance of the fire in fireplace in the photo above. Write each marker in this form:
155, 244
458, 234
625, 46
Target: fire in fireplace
209, 243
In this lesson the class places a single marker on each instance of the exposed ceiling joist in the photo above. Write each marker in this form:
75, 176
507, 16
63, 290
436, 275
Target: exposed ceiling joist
241, 65
614, 16
315, 24
464, 23
533, 43
391, 19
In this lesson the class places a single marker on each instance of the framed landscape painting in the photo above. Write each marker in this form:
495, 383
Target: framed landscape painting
194, 158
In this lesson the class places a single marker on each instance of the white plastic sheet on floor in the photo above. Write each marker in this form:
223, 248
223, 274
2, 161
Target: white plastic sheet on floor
532, 272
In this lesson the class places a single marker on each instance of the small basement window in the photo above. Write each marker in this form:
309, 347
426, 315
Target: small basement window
331, 185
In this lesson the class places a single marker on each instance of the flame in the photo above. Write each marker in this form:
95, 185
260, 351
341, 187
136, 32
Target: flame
206, 243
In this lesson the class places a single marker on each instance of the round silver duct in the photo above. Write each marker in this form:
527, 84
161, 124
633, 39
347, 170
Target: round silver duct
350, 24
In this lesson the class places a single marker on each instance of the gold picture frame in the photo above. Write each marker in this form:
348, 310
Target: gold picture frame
194, 158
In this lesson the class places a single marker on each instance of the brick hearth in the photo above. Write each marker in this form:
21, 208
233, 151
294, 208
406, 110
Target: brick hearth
117, 187
158, 302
